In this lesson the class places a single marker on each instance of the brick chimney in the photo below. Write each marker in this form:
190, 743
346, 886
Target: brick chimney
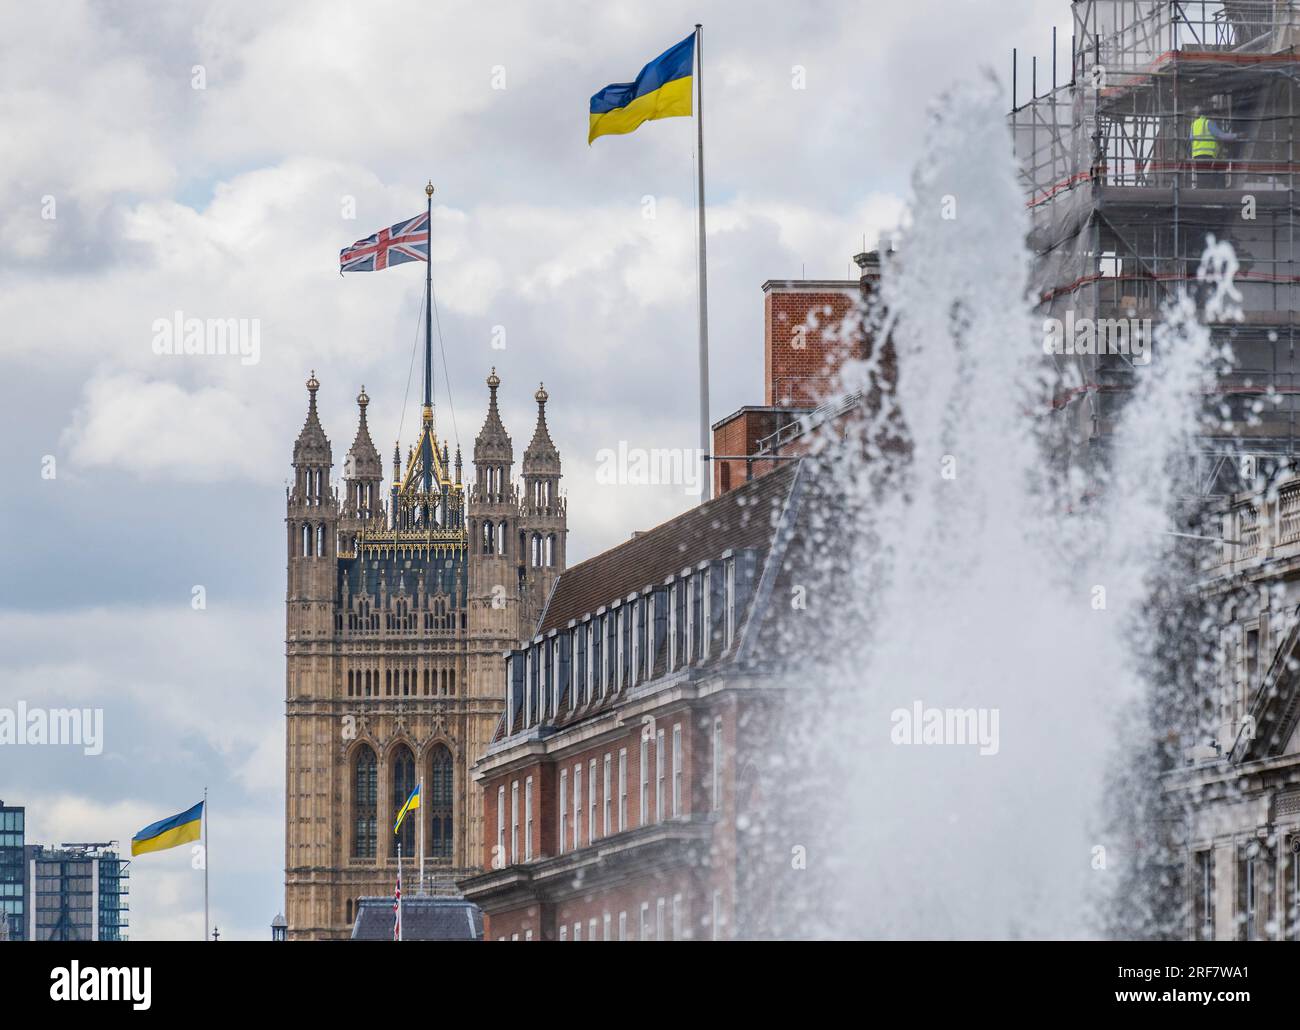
805, 338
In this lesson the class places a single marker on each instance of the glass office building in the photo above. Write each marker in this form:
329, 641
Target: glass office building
77, 892
13, 876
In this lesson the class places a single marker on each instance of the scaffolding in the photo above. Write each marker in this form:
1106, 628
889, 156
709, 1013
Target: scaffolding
1121, 211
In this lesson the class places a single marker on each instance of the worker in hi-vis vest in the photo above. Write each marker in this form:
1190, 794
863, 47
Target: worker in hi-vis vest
1207, 154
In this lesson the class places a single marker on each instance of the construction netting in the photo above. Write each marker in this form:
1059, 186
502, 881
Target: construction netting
1122, 202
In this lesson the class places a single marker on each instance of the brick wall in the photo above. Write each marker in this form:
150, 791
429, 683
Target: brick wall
805, 338
693, 885
739, 433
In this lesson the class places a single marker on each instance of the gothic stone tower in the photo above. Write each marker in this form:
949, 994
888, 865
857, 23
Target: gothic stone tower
397, 618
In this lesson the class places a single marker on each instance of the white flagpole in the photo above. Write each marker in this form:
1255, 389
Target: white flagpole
205, 862
421, 811
705, 429
400, 929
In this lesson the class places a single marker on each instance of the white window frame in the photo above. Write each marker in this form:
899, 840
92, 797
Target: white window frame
564, 931
564, 807
577, 806
622, 789
591, 928
514, 822
555, 675
717, 763
645, 920
528, 819
729, 587
501, 825
528, 687
677, 770
706, 613
636, 650
622, 926
604, 654
691, 615
659, 776
618, 648
672, 625
649, 620
591, 801
606, 925
609, 797
643, 813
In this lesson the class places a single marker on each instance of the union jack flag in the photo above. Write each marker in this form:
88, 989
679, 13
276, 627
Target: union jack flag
397, 904
405, 241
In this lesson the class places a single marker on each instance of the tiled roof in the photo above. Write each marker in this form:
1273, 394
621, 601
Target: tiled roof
424, 918
746, 517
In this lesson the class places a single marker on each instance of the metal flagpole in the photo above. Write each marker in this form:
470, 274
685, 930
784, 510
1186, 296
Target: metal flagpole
421, 811
399, 888
428, 306
205, 862
705, 446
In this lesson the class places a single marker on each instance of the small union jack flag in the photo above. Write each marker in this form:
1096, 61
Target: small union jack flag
397, 903
405, 241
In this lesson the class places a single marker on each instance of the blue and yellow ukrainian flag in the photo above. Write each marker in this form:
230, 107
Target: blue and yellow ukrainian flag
662, 90
412, 803
169, 833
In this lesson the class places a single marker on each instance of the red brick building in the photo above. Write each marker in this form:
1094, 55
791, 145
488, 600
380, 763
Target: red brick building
810, 327
622, 789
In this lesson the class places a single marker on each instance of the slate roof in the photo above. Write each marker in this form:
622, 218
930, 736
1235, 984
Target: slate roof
745, 517
424, 918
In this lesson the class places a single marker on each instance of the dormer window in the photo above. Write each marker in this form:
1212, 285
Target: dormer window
689, 591
611, 649
729, 588
636, 640
703, 584
620, 616
672, 626
529, 672
683, 589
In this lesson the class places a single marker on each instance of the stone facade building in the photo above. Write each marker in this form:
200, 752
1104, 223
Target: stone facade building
399, 605
1241, 785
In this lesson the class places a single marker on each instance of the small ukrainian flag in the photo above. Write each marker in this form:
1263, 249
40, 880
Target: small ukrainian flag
170, 833
412, 803
661, 90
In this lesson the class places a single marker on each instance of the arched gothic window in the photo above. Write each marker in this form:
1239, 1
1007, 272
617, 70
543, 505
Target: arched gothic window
365, 787
403, 772
441, 793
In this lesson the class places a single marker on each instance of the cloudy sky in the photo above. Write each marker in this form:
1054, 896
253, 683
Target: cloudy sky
212, 158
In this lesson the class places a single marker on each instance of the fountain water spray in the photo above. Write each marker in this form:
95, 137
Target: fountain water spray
985, 615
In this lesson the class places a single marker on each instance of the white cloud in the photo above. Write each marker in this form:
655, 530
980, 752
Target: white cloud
227, 202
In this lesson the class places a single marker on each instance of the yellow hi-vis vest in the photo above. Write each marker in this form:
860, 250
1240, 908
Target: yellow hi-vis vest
1203, 143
